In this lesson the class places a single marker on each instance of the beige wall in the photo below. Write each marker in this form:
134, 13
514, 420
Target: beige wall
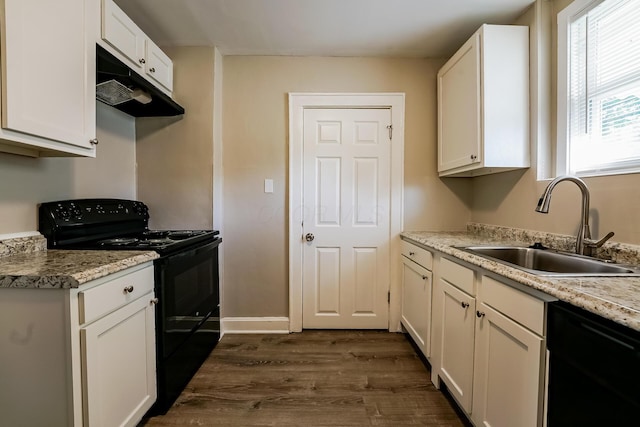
510, 198
25, 181
255, 147
175, 155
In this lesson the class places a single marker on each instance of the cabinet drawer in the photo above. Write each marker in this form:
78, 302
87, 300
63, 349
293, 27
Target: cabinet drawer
523, 308
458, 275
417, 254
102, 299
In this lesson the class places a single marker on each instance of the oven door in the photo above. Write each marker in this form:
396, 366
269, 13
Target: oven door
187, 286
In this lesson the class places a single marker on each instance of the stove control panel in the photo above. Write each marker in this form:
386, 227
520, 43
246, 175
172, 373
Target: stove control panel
80, 220
91, 210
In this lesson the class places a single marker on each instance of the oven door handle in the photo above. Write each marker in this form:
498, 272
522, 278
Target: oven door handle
196, 253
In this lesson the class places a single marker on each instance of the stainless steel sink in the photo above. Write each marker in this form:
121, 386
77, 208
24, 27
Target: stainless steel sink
547, 262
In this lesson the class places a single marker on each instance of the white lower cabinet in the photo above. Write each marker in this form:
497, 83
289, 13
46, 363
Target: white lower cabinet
416, 295
456, 351
79, 357
508, 372
488, 341
118, 353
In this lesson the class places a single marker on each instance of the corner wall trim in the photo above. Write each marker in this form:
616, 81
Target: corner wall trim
255, 325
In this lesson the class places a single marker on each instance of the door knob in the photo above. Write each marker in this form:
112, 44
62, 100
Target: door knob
309, 237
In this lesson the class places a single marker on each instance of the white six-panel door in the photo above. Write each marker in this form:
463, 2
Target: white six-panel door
346, 192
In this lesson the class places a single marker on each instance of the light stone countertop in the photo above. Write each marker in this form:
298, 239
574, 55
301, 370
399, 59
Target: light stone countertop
62, 269
615, 298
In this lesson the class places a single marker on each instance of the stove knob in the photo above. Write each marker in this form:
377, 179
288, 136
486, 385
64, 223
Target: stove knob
64, 213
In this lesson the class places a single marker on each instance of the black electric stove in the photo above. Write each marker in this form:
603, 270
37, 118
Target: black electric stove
111, 224
186, 277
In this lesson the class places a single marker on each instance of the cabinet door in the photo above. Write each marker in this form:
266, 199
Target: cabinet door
508, 372
123, 34
459, 108
48, 69
416, 304
458, 323
119, 372
159, 66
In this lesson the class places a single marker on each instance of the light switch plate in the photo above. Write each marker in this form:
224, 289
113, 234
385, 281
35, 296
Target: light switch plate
268, 186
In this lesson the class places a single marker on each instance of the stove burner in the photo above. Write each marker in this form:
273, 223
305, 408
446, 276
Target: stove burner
118, 241
155, 234
161, 241
179, 235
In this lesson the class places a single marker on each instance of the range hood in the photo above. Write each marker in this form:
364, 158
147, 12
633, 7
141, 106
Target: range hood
124, 89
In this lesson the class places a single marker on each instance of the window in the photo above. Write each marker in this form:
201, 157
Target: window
599, 87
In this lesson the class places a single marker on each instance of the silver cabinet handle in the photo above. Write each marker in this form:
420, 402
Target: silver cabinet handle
128, 289
309, 237
464, 304
479, 314
153, 301
141, 60
94, 141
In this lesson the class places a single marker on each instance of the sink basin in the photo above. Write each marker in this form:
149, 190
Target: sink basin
547, 262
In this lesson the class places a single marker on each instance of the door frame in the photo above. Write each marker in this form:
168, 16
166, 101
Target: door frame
298, 102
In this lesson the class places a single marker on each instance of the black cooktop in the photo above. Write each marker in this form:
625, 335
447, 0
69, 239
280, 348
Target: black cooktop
110, 224
156, 240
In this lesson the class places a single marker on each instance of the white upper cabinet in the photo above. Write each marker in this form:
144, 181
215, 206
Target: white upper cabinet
48, 77
483, 104
123, 34
159, 66
124, 39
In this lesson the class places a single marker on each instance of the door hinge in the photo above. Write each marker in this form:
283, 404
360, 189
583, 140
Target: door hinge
390, 127
388, 297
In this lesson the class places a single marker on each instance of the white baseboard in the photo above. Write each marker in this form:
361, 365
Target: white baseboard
255, 325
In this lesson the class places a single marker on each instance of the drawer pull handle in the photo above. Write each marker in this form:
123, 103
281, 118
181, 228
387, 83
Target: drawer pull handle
154, 301
128, 289
479, 314
424, 277
412, 253
464, 304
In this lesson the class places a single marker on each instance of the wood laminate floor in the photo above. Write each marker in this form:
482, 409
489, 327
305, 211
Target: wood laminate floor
313, 378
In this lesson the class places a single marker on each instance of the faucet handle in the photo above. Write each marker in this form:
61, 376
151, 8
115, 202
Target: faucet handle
590, 245
597, 244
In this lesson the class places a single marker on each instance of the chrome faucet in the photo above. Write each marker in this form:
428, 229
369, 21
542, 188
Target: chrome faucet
584, 244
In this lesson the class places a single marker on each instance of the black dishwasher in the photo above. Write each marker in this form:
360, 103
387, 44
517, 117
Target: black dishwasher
594, 370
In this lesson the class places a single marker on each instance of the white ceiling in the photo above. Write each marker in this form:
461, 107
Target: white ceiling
400, 28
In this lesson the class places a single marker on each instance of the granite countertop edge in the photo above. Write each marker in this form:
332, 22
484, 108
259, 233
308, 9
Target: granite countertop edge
617, 298
65, 269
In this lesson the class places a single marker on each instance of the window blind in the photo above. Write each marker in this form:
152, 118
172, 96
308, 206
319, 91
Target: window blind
604, 87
